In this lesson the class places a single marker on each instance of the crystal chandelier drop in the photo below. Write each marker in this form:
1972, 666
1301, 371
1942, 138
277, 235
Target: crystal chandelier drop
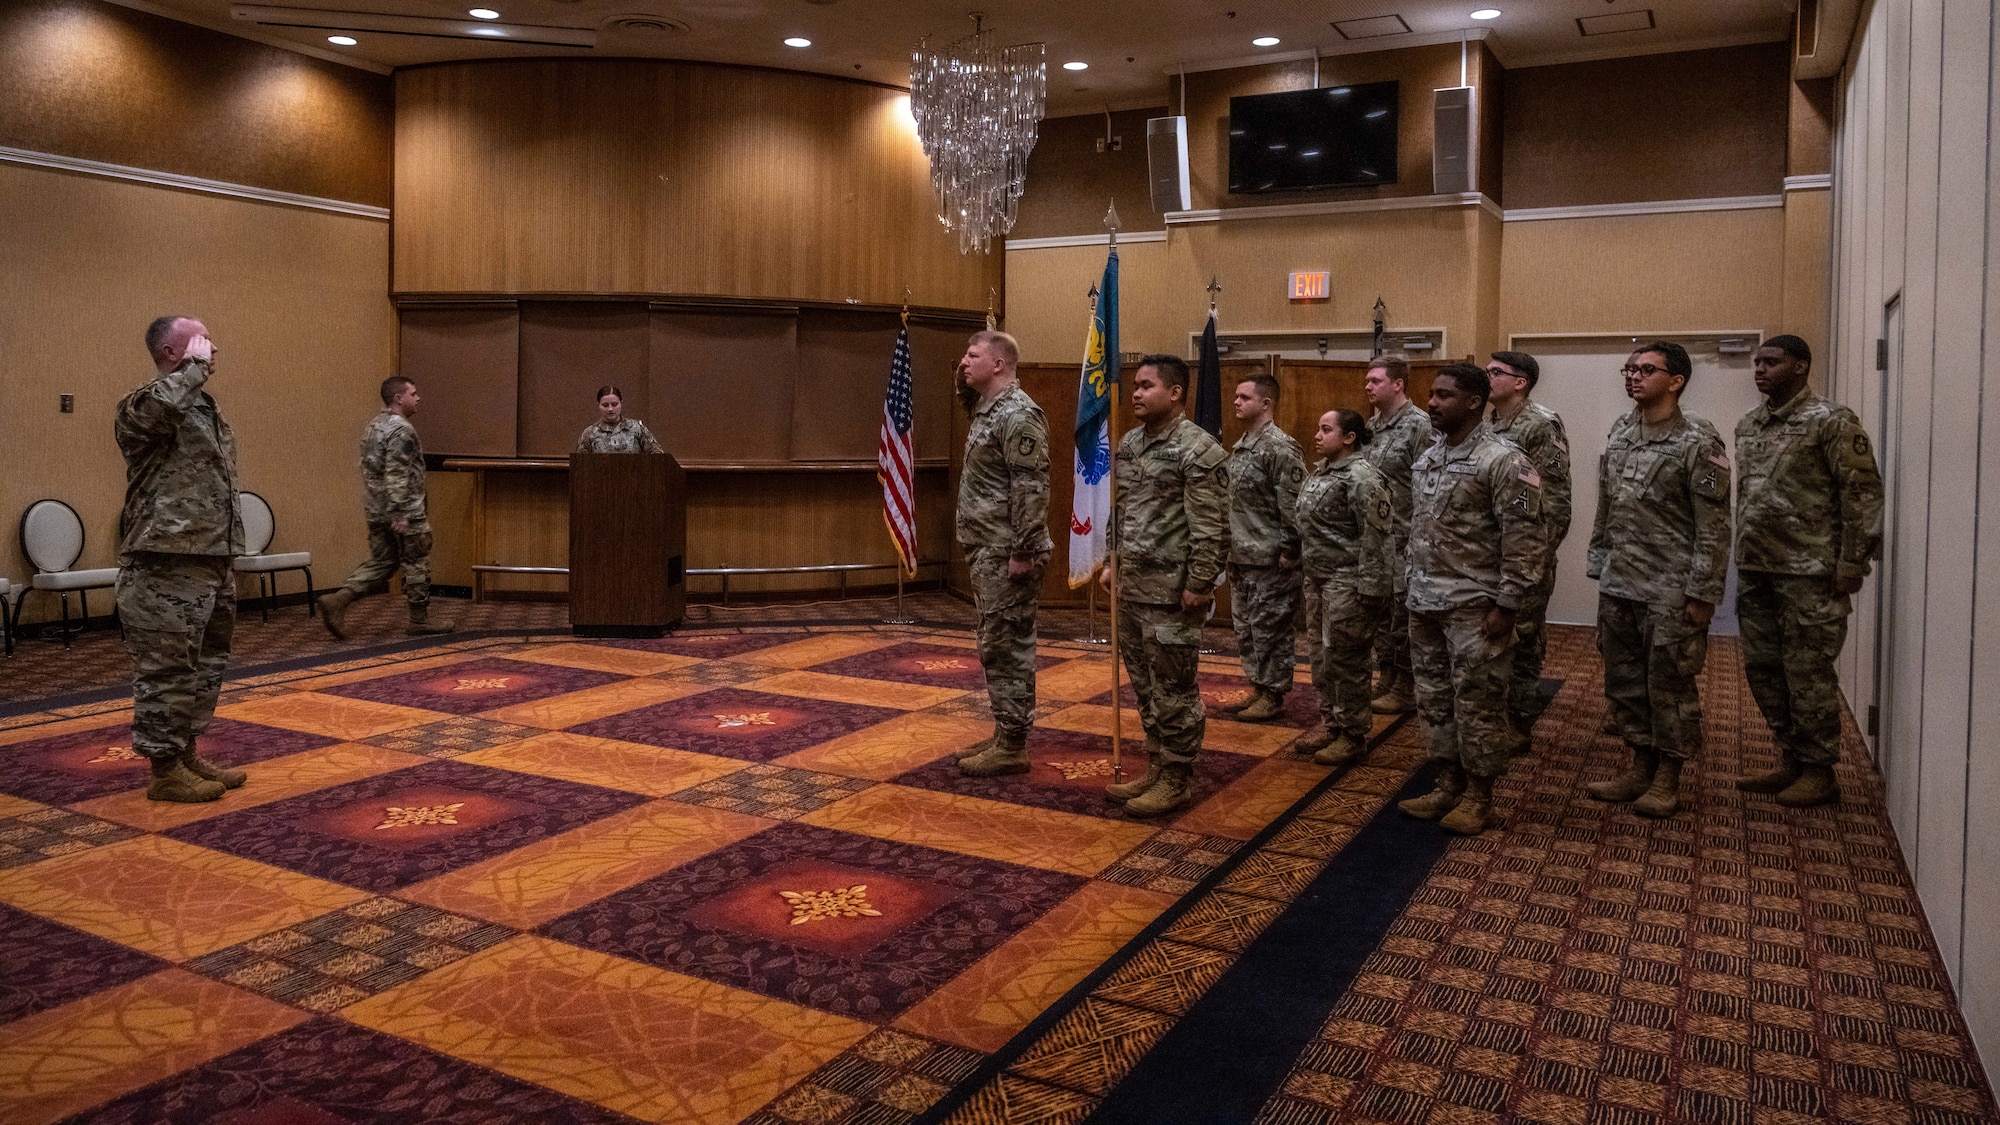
977, 106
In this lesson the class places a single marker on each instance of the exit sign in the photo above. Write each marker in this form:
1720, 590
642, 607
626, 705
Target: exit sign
1310, 285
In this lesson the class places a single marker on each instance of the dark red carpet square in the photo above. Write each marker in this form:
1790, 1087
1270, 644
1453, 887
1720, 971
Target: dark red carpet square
915, 663
45, 964
96, 763
477, 685
1070, 771
752, 725
728, 917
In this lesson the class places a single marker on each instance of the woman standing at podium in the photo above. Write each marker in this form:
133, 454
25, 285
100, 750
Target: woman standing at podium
613, 432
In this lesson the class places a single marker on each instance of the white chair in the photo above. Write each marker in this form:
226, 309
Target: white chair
259, 527
52, 538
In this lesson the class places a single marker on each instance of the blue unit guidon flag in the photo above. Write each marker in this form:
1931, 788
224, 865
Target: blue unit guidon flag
1090, 510
895, 458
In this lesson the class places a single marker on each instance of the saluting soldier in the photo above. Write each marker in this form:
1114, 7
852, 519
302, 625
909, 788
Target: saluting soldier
1344, 520
1477, 544
176, 589
1538, 431
1808, 524
1172, 524
1265, 471
613, 432
1659, 550
1402, 432
399, 523
1003, 523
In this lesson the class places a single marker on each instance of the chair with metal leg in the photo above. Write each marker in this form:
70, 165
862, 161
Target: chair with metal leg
260, 526
9, 598
52, 538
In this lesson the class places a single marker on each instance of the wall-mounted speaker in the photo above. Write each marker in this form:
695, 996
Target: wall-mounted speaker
1167, 163
1455, 153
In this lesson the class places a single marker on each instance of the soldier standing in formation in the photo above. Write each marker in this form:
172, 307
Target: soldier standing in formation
1659, 550
1265, 471
613, 432
1344, 520
1003, 510
1538, 431
1477, 544
1172, 528
1808, 523
176, 590
1402, 432
399, 524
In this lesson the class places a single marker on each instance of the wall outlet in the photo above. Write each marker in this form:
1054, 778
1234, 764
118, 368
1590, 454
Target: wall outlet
1114, 144
69, 404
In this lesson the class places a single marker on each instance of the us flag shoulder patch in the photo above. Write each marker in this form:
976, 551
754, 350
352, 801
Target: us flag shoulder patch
1720, 460
1530, 477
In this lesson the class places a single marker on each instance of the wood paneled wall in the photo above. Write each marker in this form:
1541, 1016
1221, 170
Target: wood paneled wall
101, 81
643, 176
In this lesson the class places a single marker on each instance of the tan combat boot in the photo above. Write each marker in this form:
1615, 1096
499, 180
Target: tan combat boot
1345, 750
980, 747
1399, 699
208, 771
1629, 785
1126, 790
1008, 754
1266, 706
1318, 738
1442, 799
333, 612
1664, 795
1815, 786
1778, 780
420, 623
1168, 792
173, 781
1473, 812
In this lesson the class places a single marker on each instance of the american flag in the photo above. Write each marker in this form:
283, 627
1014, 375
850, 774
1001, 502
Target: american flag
894, 458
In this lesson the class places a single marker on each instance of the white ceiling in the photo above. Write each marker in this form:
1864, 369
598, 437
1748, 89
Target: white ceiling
1130, 47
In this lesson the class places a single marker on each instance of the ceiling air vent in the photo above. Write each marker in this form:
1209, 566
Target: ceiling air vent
645, 24
1613, 22
1371, 27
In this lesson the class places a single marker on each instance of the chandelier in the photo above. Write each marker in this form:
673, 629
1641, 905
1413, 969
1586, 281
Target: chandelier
977, 106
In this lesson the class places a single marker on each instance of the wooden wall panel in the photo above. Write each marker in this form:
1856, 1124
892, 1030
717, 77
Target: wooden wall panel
1070, 182
660, 177
101, 81
721, 384
465, 362
843, 378
568, 350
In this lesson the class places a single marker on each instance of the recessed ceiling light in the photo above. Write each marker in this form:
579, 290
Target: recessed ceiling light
483, 14
1264, 41
342, 40
1076, 66
1486, 14
798, 41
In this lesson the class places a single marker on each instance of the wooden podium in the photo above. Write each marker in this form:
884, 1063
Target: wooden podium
627, 544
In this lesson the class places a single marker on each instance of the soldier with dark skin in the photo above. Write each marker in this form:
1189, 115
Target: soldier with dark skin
1402, 432
1265, 472
1477, 543
1003, 513
1344, 519
1538, 431
399, 523
1808, 526
176, 590
1659, 550
1172, 539
613, 432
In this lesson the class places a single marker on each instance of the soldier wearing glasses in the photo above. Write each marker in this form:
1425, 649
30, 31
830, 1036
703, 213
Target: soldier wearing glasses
1539, 433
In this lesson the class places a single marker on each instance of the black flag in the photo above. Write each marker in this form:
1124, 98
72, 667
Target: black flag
1208, 389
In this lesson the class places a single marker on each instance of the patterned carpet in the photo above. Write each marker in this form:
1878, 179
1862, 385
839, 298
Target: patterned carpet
731, 876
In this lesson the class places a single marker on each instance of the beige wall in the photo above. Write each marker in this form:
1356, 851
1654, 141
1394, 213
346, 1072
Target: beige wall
296, 302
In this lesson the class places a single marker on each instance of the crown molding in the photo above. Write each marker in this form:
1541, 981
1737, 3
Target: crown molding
189, 183
1809, 182
1336, 207
1055, 242
1653, 207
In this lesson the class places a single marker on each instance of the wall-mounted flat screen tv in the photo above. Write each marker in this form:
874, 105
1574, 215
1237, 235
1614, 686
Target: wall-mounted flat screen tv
1335, 136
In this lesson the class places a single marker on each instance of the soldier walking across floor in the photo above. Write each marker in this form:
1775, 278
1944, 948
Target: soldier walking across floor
176, 589
1477, 544
1003, 512
1659, 550
1402, 432
1344, 520
1172, 525
1538, 431
399, 524
1808, 524
1265, 472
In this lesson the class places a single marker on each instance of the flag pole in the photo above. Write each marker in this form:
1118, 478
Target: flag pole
1111, 554
902, 563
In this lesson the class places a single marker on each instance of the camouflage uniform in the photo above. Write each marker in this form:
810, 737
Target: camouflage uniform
1477, 540
1661, 537
392, 477
1399, 440
1344, 520
1172, 526
629, 435
1538, 431
176, 592
1003, 511
1808, 510
1265, 471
